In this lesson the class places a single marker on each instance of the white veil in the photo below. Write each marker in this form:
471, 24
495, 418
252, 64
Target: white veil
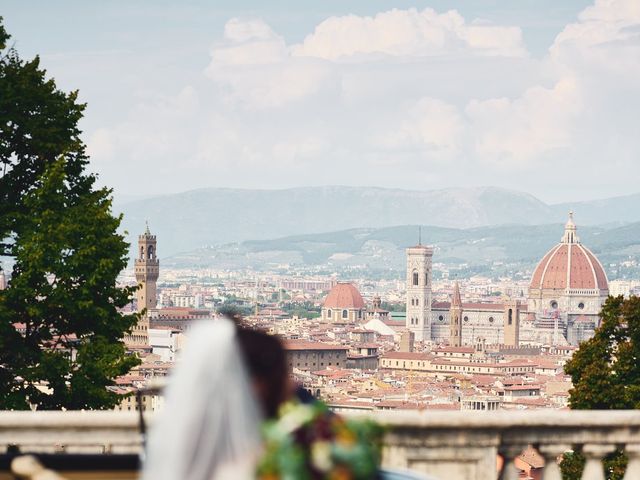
210, 421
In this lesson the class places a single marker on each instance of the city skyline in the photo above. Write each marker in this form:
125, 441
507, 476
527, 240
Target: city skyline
239, 96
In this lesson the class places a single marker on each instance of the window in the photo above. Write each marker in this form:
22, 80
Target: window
581, 305
466, 319
510, 316
345, 313
554, 304
329, 313
426, 279
490, 319
441, 318
415, 278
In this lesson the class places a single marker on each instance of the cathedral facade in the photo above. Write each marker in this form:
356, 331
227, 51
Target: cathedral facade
567, 290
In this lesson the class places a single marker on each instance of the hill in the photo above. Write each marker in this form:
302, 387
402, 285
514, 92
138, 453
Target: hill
507, 249
189, 220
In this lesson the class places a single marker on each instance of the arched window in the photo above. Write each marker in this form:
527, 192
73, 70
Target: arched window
329, 313
345, 313
415, 278
150, 252
510, 316
426, 279
141, 252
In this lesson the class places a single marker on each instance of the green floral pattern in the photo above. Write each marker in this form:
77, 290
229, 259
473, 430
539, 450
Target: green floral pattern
309, 442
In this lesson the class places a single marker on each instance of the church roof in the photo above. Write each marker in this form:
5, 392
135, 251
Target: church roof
569, 265
344, 295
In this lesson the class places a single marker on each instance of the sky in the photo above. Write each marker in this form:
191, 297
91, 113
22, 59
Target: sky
534, 95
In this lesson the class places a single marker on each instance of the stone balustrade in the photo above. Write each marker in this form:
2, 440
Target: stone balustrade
443, 444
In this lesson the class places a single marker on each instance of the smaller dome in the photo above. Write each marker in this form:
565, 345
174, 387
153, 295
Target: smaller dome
344, 295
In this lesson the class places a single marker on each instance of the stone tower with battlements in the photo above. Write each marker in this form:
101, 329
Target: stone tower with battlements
147, 269
418, 311
455, 315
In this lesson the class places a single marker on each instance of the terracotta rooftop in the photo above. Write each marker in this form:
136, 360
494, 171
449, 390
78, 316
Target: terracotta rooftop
569, 265
408, 356
455, 350
306, 345
344, 295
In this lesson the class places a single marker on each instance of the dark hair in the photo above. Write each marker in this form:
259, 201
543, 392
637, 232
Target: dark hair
265, 359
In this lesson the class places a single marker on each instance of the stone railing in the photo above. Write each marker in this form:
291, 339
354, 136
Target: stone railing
445, 445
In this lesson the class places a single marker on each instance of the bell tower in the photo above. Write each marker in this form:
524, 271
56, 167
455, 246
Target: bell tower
147, 268
512, 323
455, 315
418, 308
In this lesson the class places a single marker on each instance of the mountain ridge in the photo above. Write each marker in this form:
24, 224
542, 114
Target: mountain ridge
491, 250
214, 216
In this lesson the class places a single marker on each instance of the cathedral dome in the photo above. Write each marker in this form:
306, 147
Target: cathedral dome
569, 266
344, 295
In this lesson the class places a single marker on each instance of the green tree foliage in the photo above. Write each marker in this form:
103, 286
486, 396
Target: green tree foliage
63, 292
605, 371
60, 324
572, 466
38, 124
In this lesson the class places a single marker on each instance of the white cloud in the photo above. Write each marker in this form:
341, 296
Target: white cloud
518, 131
255, 69
251, 42
431, 126
409, 33
409, 98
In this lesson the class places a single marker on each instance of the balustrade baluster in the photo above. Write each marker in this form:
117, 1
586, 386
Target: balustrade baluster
633, 467
509, 454
551, 452
594, 453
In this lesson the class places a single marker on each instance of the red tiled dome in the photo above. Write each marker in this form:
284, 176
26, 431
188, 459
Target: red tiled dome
344, 295
569, 265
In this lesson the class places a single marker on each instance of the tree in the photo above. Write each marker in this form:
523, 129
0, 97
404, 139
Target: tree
38, 124
605, 370
60, 323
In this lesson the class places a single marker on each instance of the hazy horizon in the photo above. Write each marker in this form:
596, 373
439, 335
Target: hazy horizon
540, 97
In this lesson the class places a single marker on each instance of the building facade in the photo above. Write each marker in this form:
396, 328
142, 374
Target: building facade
568, 288
314, 356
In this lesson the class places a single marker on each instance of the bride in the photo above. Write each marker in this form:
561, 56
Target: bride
215, 403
